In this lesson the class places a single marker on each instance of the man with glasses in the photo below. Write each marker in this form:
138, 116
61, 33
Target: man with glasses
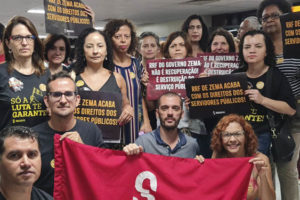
61, 100
269, 12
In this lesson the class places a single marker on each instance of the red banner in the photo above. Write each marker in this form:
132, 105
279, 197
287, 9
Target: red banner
85, 172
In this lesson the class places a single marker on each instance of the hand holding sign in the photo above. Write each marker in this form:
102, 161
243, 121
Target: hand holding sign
254, 95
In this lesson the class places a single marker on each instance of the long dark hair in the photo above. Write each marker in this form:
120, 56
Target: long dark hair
80, 63
204, 39
38, 53
270, 57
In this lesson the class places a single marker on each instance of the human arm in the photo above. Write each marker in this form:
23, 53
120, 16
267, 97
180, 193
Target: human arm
89, 11
127, 110
132, 149
145, 78
275, 105
264, 177
146, 126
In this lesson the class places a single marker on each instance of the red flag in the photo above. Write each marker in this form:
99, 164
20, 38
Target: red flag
85, 172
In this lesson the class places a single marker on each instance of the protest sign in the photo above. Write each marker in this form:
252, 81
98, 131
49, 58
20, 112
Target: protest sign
290, 24
102, 109
217, 95
219, 64
86, 172
66, 17
170, 74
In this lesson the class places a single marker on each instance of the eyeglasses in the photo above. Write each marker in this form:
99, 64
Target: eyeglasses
19, 38
56, 96
237, 135
273, 16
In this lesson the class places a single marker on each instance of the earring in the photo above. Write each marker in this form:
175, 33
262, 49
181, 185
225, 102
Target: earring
105, 58
9, 51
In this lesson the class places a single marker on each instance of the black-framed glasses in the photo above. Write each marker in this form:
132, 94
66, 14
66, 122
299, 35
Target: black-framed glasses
273, 16
19, 38
56, 96
237, 135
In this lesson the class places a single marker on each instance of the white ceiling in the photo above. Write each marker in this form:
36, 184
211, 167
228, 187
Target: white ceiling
141, 12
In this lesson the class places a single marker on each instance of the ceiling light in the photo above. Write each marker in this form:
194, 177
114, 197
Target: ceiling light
36, 11
101, 28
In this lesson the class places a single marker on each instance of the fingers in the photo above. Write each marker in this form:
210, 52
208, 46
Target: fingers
200, 158
132, 149
74, 136
259, 163
126, 115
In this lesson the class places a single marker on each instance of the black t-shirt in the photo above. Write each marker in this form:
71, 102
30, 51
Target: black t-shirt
89, 133
36, 194
21, 98
280, 90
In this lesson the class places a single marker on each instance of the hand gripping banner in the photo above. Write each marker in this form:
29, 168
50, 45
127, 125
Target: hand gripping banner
85, 172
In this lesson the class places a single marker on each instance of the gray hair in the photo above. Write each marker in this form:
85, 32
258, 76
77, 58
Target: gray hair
253, 22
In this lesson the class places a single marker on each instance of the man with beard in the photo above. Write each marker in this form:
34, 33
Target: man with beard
20, 164
61, 100
166, 139
269, 12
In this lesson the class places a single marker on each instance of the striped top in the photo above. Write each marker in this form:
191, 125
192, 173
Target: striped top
130, 74
290, 67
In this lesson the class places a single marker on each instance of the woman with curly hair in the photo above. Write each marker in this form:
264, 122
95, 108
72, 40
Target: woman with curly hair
123, 36
94, 69
221, 41
234, 137
257, 59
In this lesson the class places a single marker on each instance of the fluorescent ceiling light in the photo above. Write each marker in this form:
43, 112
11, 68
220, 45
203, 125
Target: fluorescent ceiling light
101, 28
36, 11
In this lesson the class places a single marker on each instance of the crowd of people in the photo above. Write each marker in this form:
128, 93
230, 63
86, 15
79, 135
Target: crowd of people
39, 88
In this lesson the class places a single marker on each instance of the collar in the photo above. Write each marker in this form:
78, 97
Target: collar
181, 142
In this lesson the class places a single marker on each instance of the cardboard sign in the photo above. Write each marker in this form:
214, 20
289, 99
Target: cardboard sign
217, 95
170, 74
66, 17
102, 109
290, 24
